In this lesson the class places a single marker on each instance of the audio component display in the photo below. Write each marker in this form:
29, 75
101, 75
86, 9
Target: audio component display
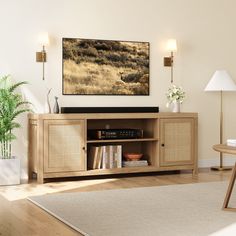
115, 133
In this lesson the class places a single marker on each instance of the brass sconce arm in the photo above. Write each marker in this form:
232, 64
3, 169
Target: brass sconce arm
169, 61
42, 56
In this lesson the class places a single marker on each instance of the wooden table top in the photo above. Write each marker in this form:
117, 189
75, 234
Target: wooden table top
224, 148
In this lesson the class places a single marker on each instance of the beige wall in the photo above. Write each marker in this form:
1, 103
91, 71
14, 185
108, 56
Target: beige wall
206, 35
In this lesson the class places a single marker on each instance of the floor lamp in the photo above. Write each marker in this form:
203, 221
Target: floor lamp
221, 81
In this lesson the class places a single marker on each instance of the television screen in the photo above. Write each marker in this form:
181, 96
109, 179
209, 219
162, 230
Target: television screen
105, 67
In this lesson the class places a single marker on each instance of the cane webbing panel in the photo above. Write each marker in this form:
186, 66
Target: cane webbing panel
64, 146
177, 141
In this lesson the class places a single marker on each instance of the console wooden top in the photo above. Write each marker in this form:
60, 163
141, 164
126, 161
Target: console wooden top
113, 115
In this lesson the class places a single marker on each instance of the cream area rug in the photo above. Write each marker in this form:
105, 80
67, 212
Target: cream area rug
174, 210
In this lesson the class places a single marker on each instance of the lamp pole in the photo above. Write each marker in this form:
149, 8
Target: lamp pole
221, 127
221, 167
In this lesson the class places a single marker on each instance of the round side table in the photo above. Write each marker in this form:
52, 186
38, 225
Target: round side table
229, 150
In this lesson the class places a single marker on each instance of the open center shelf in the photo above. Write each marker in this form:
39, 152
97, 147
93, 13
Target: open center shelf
123, 140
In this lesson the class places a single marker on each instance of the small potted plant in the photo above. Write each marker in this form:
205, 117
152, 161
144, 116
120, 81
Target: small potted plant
11, 106
175, 96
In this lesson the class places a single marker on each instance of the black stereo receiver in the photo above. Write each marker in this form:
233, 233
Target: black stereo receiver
115, 133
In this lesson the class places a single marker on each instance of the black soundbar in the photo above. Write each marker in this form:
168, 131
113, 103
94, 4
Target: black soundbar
109, 109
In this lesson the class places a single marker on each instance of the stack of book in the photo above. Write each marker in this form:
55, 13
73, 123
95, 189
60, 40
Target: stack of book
105, 157
231, 142
135, 163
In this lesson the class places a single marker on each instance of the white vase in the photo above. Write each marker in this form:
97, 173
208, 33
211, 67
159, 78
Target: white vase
176, 107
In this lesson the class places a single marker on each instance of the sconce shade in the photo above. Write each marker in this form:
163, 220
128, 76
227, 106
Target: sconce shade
221, 81
171, 45
43, 39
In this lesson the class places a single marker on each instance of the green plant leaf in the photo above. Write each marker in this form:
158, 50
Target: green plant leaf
16, 85
11, 106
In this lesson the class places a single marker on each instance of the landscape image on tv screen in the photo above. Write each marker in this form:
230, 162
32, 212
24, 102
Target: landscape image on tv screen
105, 67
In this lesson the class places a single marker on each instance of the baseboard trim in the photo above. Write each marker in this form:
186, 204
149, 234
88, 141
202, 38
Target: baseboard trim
227, 161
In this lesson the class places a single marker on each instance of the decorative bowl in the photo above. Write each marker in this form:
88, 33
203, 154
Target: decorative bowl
133, 156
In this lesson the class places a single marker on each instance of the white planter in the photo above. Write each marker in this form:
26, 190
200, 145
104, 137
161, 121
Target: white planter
9, 171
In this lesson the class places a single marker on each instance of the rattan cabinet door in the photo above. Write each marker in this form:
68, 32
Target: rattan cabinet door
176, 141
64, 145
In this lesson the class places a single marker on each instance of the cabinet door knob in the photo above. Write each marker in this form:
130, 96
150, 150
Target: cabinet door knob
163, 145
83, 148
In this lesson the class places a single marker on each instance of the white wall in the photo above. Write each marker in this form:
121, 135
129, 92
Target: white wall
206, 37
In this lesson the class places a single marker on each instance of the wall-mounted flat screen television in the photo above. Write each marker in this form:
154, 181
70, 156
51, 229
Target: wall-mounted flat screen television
105, 67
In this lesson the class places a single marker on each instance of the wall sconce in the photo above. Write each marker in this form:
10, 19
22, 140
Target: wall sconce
42, 56
169, 61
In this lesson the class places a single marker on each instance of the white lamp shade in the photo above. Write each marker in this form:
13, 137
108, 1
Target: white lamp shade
221, 81
171, 45
43, 39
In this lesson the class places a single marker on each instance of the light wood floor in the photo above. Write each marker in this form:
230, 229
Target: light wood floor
19, 217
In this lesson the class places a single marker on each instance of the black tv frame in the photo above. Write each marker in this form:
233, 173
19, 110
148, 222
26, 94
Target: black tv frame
108, 94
